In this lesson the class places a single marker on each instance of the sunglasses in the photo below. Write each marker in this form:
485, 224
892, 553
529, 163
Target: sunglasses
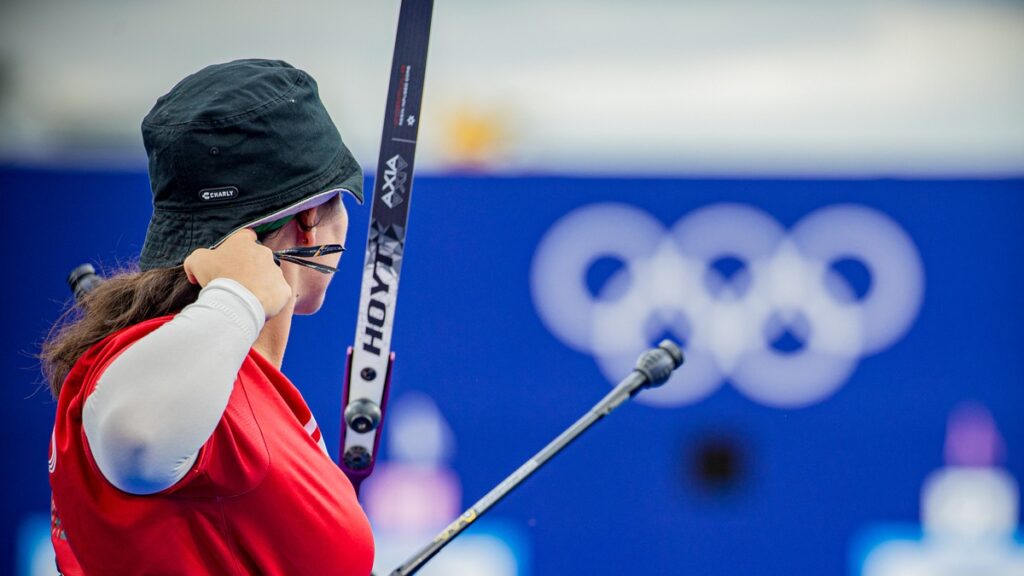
296, 256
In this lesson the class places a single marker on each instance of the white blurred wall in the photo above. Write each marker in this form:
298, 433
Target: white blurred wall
701, 87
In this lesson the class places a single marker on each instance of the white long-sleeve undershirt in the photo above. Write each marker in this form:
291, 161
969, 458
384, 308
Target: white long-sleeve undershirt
157, 403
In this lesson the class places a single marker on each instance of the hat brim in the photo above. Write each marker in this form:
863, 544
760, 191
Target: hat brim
305, 204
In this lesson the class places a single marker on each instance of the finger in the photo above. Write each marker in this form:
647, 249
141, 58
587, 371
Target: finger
241, 237
187, 266
247, 234
194, 261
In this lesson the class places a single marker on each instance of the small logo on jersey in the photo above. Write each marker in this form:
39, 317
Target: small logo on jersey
394, 181
218, 194
53, 451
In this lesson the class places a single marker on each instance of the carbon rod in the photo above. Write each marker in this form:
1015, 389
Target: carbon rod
653, 369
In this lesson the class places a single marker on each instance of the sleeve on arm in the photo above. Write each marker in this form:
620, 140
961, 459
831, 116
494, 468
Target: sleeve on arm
159, 401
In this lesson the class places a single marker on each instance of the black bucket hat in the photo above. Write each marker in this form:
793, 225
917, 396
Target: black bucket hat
236, 145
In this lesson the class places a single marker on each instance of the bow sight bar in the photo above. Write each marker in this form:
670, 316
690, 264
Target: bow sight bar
368, 371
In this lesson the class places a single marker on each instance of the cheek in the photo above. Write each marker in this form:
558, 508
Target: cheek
341, 233
315, 283
311, 296
340, 227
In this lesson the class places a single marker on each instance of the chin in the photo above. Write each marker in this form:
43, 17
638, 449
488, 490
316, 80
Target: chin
307, 307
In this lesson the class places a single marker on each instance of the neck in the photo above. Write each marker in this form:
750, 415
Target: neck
273, 340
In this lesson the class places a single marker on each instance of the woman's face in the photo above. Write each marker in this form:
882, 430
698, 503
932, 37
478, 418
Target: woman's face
331, 227
310, 292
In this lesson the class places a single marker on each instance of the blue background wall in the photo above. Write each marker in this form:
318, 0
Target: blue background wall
623, 498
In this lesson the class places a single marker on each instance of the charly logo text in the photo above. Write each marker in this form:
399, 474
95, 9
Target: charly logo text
214, 194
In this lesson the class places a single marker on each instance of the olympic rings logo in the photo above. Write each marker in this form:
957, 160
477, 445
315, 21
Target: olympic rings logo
737, 289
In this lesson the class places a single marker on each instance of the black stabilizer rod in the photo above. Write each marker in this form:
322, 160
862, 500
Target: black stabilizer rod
82, 280
652, 369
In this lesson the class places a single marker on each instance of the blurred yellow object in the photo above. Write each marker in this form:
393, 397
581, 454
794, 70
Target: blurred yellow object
474, 138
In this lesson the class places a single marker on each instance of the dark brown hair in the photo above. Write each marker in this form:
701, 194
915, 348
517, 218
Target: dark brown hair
122, 300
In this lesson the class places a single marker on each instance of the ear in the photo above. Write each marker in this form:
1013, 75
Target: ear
305, 227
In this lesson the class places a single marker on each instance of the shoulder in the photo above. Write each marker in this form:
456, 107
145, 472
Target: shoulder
94, 361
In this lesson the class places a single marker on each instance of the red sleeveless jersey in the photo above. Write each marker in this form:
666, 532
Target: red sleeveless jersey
263, 497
